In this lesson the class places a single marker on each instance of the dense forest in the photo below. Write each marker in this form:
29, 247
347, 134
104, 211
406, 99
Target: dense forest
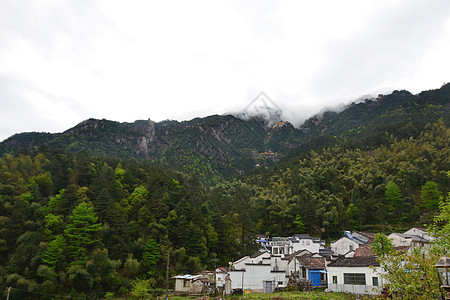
76, 223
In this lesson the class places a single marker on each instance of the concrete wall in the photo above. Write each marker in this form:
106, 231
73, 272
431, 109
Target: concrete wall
354, 289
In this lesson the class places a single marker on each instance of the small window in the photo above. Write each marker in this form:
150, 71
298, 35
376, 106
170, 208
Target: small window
334, 279
375, 281
355, 278
280, 282
351, 247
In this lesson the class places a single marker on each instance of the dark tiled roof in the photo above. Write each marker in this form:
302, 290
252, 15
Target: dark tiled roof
355, 262
312, 262
298, 253
363, 251
326, 252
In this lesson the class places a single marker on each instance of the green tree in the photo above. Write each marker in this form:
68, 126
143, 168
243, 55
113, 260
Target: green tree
430, 195
393, 196
55, 252
441, 224
411, 274
382, 245
150, 256
81, 232
141, 288
299, 224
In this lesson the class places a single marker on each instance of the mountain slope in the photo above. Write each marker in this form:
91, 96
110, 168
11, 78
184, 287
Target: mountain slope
217, 147
211, 147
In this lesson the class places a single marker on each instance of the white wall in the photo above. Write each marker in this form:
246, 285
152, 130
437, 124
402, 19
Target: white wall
254, 276
419, 233
399, 240
307, 244
240, 263
354, 289
342, 246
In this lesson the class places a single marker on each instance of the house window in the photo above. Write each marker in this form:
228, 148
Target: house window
280, 282
355, 278
334, 279
186, 283
275, 250
350, 247
375, 281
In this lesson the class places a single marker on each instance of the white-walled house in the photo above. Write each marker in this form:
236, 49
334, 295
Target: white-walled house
350, 242
402, 239
289, 245
420, 232
356, 275
221, 274
260, 274
345, 245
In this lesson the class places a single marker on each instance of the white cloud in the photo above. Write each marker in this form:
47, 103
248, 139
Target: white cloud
73, 60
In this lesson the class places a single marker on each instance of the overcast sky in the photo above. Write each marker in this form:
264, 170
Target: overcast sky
62, 62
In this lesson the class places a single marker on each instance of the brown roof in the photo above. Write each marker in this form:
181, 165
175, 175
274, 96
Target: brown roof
312, 262
366, 261
365, 250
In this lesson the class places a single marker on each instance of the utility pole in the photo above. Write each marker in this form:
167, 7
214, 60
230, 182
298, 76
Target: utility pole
167, 275
9, 291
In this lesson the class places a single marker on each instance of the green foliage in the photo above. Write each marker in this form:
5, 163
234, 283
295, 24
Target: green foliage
55, 252
382, 245
430, 195
440, 228
81, 232
151, 255
141, 288
411, 274
393, 195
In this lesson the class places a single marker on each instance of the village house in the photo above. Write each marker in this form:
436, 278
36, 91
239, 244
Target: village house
221, 274
350, 242
262, 273
289, 245
189, 284
356, 275
414, 237
308, 270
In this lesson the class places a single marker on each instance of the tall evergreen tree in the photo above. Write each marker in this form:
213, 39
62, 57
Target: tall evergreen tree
81, 232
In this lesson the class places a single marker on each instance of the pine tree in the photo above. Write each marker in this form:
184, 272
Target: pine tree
81, 232
55, 252
151, 255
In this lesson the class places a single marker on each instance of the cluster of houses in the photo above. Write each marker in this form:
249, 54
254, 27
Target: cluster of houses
349, 265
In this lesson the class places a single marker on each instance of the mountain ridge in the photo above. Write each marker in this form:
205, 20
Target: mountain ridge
222, 146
